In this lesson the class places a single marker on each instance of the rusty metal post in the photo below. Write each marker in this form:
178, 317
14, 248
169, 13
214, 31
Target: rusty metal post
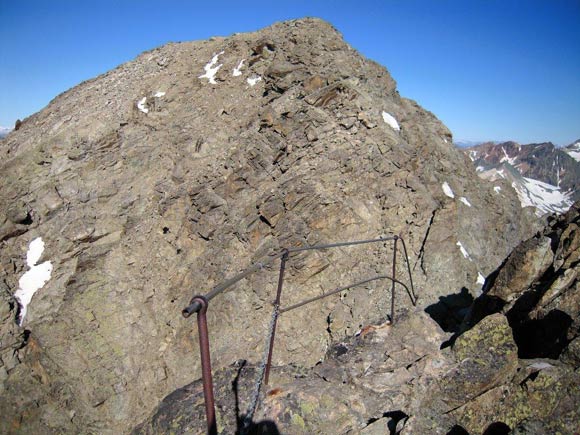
394, 277
276, 307
412, 295
206, 365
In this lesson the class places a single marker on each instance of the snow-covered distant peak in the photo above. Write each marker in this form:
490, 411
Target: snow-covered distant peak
4, 131
574, 150
507, 158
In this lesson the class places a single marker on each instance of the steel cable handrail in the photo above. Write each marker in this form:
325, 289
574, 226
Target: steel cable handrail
199, 305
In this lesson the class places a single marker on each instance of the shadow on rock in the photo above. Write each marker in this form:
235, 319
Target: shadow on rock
497, 428
265, 427
542, 338
450, 311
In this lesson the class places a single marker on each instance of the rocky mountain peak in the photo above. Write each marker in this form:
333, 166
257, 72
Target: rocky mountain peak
165, 176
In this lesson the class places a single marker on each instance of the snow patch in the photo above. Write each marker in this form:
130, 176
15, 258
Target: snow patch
464, 200
480, 278
33, 279
473, 155
141, 105
238, 70
507, 158
547, 198
496, 189
574, 151
463, 251
159, 94
211, 69
253, 80
479, 169
391, 121
447, 190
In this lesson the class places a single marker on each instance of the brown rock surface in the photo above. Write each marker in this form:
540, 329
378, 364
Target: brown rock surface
406, 378
150, 183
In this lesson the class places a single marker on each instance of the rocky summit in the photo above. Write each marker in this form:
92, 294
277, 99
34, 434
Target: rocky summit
160, 179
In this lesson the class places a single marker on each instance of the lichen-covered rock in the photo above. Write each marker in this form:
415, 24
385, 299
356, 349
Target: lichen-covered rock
487, 355
538, 289
345, 393
525, 265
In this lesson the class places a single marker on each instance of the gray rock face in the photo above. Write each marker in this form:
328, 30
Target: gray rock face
170, 173
498, 376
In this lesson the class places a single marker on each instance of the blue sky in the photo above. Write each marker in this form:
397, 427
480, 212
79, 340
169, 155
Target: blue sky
489, 69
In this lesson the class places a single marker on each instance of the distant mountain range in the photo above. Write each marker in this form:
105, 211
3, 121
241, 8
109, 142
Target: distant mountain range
543, 175
468, 143
4, 131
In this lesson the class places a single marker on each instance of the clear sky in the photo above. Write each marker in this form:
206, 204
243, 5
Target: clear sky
489, 69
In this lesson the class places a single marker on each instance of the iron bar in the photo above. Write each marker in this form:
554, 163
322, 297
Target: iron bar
337, 290
414, 296
336, 245
206, 375
194, 307
276, 311
394, 276
199, 304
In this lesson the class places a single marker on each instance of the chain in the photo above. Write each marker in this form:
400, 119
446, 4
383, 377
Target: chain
261, 369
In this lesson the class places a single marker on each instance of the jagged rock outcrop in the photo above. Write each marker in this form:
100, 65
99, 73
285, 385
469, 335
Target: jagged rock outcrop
166, 175
537, 288
543, 176
502, 374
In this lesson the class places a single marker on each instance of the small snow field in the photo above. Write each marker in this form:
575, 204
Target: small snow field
211, 69
391, 121
463, 251
545, 197
464, 200
507, 158
252, 81
33, 279
447, 190
237, 71
574, 151
141, 105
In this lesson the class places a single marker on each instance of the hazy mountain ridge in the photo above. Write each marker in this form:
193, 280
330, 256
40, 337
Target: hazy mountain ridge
4, 131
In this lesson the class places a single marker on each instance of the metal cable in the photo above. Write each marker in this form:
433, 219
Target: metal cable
260, 378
